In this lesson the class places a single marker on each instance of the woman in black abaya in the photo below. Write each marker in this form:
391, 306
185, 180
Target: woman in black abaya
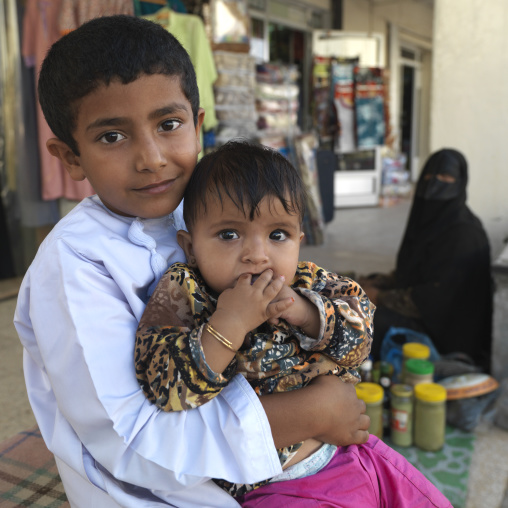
442, 284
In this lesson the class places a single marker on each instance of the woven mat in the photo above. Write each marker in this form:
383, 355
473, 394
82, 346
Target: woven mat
447, 469
28, 473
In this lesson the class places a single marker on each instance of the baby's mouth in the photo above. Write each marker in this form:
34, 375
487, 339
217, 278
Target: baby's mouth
255, 277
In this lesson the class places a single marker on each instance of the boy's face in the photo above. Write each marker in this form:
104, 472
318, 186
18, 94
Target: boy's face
138, 145
225, 244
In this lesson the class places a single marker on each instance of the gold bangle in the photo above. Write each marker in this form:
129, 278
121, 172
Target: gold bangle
220, 337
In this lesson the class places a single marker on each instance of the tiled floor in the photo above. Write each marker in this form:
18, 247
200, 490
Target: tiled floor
359, 240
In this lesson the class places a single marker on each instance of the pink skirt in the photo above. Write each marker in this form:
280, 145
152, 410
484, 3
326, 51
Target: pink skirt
372, 475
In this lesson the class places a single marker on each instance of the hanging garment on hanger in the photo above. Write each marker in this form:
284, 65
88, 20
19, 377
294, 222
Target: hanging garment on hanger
40, 31
75, 12
145, 7
190, 31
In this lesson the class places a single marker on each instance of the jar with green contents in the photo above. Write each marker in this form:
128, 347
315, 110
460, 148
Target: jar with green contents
418, 371
372, 395
401, 421
413, 350
429, 416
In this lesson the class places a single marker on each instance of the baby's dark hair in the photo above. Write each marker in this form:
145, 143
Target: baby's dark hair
103, 50
246, 173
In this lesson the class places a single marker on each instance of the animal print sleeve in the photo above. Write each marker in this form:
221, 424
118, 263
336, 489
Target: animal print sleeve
169, 360
346, 317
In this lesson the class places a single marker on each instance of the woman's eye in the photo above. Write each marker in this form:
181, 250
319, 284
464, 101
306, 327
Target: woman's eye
170, 125
111, 137
228, 235
278, 235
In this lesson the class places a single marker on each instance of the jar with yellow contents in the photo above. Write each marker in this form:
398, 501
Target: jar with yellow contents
372, 395
429, 416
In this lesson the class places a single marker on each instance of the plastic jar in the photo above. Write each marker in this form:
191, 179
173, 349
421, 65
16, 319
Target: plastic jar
418, 371
372, 395
429, 416
401, 421
413, 350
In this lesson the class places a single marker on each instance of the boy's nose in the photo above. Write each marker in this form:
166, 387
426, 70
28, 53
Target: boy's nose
150, 156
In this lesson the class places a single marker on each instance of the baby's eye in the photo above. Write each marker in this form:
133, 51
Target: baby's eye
228, 235
170, 125
111, 137
278, 235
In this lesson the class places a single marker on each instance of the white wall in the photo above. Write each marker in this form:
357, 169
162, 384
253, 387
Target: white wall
469, 104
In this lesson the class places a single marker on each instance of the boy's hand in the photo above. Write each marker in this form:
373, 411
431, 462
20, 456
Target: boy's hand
343, 415
302, 313
327, 410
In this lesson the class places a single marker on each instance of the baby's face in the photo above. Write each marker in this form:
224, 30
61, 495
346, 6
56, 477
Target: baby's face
227, 244
138, 144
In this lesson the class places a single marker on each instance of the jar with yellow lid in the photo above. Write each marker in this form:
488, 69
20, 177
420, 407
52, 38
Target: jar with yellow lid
429, 416
413, 350
418, 371
372, 395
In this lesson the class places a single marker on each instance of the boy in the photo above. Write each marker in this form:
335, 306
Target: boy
120, 95
244, 304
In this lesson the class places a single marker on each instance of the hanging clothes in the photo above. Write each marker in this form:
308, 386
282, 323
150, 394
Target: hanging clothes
6, 262
190, 31
74, 13
40, 31
144, 7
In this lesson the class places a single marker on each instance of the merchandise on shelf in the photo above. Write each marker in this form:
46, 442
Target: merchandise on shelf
277, 101
234, 96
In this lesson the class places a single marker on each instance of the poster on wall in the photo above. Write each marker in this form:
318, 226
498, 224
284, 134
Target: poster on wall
343, 96
369, 103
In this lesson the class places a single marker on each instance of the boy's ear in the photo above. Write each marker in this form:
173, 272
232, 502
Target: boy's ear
70, 160
184, 239
302, 236
199, 124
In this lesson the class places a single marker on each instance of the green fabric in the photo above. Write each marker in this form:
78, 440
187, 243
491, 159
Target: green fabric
447, 469
190, 31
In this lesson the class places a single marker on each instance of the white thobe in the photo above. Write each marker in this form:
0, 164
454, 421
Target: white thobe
77, 314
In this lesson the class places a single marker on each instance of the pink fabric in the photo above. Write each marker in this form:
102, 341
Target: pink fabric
40, 31
372, 475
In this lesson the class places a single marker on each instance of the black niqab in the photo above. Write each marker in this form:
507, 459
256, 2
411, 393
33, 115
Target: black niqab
445, 259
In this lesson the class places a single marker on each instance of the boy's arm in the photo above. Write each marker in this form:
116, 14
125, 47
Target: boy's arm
77, 323
169, 359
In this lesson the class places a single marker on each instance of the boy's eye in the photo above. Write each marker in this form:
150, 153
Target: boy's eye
170, 125
111, 137
228, 235
278, 235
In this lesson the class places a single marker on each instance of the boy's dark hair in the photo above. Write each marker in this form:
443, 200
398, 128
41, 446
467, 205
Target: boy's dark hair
246, 173
100, 51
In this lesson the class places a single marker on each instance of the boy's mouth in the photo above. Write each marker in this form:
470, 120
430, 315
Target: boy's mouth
155, 188
255, 277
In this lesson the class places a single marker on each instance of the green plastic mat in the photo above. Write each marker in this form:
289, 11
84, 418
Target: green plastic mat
447, 469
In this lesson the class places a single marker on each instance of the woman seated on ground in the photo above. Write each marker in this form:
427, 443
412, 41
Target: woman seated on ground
442, 284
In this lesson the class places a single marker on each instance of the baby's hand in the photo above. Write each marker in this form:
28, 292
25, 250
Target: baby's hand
302, 313
249, 304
